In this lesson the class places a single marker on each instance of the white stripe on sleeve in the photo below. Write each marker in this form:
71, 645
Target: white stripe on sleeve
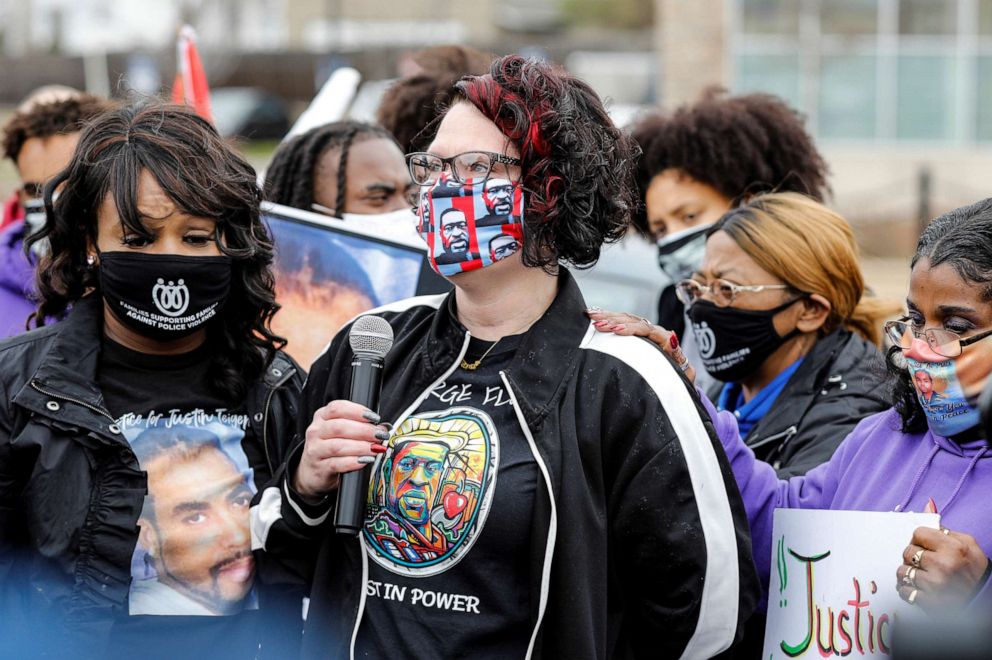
717, 622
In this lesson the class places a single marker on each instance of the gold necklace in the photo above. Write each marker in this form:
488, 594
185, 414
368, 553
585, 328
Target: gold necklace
472, 366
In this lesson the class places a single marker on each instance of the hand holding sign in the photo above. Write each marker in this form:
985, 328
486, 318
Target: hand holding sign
944, 568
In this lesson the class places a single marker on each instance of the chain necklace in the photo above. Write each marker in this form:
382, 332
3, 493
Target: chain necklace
472, 366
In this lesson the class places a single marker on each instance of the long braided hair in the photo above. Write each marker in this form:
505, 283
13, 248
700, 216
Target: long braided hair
291, 176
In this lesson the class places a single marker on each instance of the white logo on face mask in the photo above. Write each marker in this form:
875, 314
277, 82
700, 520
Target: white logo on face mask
705, 338
171, 299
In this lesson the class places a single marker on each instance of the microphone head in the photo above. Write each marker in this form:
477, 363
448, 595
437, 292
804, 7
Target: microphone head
371, 337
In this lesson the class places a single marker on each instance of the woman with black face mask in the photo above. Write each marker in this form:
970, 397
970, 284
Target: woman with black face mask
135, 431
781, 320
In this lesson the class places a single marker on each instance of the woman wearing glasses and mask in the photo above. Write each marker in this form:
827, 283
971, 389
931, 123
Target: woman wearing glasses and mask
779, 312
924, 453
540, 489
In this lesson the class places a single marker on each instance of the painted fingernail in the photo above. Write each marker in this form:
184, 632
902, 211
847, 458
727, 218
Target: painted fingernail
378, 449
371, 416
366, 460
600, 324
673, 341
382, 435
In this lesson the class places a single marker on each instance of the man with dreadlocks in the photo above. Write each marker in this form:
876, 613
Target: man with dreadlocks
353, 171
343, 167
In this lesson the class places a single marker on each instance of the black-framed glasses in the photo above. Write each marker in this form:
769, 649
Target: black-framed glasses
946, 343
723, 292
426, 169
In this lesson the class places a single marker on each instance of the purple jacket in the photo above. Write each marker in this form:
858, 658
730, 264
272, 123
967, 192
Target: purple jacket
16, 281
876, 468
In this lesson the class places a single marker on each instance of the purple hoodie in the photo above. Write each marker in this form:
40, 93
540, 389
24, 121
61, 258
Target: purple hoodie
876, 468
16, 281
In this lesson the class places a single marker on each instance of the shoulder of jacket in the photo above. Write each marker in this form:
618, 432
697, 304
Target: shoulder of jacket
30, 339
641, 356
20, 355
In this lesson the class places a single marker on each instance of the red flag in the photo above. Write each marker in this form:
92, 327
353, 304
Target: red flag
190, 86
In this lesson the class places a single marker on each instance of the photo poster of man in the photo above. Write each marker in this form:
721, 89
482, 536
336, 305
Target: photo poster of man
329, 271
193, 555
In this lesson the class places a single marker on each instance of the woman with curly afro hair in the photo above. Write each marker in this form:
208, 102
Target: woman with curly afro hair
705, 158
541, 490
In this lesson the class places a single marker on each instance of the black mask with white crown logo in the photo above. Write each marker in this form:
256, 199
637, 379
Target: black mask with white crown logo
164, 296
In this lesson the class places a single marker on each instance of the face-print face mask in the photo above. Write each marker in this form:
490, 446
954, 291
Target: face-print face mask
948, 409
471, 225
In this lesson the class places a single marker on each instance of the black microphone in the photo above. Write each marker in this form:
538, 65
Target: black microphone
371, 337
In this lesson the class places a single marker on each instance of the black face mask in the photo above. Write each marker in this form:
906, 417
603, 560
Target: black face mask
164, 296
734, 342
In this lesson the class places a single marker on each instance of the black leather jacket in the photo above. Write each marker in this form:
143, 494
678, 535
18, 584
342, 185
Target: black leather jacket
638, 545
70, 486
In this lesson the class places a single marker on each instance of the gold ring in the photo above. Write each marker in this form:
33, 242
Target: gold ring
917, 559
645, 321
912, 596
910, 577
945, 531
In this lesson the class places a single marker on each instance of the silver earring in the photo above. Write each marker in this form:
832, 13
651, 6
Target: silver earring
90, 260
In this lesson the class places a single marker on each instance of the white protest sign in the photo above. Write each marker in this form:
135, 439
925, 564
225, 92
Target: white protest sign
833, 582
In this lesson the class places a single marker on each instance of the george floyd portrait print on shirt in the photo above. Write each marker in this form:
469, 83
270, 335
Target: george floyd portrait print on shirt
193, 555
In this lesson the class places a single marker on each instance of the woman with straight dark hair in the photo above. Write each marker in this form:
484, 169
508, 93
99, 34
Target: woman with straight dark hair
543, 490
134, 431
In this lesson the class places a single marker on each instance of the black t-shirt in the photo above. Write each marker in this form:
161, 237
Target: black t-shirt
193, 575
448, 529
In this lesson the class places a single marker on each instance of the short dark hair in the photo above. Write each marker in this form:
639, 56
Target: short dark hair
739, 145
962, 239
47, 119
203, 177
290, 177
577, 166
450, 209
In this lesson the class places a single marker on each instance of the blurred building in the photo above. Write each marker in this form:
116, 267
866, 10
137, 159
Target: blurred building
898, 92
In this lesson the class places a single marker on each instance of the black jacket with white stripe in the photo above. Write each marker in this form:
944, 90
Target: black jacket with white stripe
642, 548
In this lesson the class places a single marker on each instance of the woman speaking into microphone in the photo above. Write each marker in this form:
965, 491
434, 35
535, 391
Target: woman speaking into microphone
134, 432
543, 490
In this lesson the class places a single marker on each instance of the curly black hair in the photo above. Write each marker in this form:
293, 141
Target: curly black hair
577, 166
291, 176
962, 239
411, 105
47, 119
204, 178
740, 145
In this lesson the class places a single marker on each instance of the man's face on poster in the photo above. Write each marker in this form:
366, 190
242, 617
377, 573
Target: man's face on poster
502, 247
454, 231
415, 476
499, 197
198, 536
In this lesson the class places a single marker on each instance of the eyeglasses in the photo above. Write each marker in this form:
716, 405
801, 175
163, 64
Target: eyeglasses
946, 343
425, 168
723, 292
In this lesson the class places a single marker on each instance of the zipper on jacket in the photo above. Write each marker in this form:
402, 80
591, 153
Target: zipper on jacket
552, 527
784, 436
64, 397
265, 416
361, 539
